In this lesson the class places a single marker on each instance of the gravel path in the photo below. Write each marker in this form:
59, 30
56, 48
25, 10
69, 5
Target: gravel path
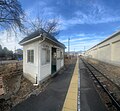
111, 71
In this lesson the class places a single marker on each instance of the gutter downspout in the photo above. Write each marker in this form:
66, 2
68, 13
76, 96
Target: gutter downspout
36, 84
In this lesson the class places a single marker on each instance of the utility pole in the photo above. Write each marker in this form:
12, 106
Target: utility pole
15, 52
84, 50
68, 47
74, 51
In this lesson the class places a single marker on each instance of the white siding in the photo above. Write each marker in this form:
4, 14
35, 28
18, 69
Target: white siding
30, 69
107, 51
116, 52
60, 60
45, 70
104, 53
58, 64
36, 69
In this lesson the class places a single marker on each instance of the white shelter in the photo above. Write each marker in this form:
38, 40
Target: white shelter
43, 56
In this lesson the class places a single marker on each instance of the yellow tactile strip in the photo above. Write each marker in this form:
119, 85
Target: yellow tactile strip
70, 103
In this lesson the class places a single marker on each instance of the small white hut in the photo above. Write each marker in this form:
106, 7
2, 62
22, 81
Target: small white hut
43, 56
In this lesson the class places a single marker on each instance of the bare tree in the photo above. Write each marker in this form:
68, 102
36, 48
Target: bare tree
11, 15
51, 26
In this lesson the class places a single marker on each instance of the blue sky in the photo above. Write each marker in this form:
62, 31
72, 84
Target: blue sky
86, 22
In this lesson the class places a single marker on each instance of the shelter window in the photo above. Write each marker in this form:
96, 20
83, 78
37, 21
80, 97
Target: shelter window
61, 54
30, 56
58, 54
45, 55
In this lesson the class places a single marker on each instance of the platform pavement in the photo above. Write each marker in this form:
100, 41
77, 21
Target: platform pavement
70, 103
82, 96
62, 94
52, 98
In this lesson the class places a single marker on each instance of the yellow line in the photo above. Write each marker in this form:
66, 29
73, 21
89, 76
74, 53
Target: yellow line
70, 103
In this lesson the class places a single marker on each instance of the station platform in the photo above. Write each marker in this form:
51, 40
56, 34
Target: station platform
82, 95
53, 96
73, 90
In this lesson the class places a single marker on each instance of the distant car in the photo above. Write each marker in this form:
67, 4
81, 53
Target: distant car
19, 59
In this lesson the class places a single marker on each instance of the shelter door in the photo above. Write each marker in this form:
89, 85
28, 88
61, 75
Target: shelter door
53, 65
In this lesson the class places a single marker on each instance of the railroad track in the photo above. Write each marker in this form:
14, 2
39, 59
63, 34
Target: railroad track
108, 86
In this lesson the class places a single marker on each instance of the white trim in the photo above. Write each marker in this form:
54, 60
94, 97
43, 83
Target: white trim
39, 60
54, 41
39, 37
79, 76
29, 62
31, 39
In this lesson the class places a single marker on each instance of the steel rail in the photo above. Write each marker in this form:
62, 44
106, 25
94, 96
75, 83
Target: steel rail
103, 75
114, 101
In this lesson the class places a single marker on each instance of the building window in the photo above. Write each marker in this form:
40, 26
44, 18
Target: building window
30, 56
61, 54
58, 54
45, 55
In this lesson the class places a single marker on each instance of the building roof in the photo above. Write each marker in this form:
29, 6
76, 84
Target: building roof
37, 33
110, 37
